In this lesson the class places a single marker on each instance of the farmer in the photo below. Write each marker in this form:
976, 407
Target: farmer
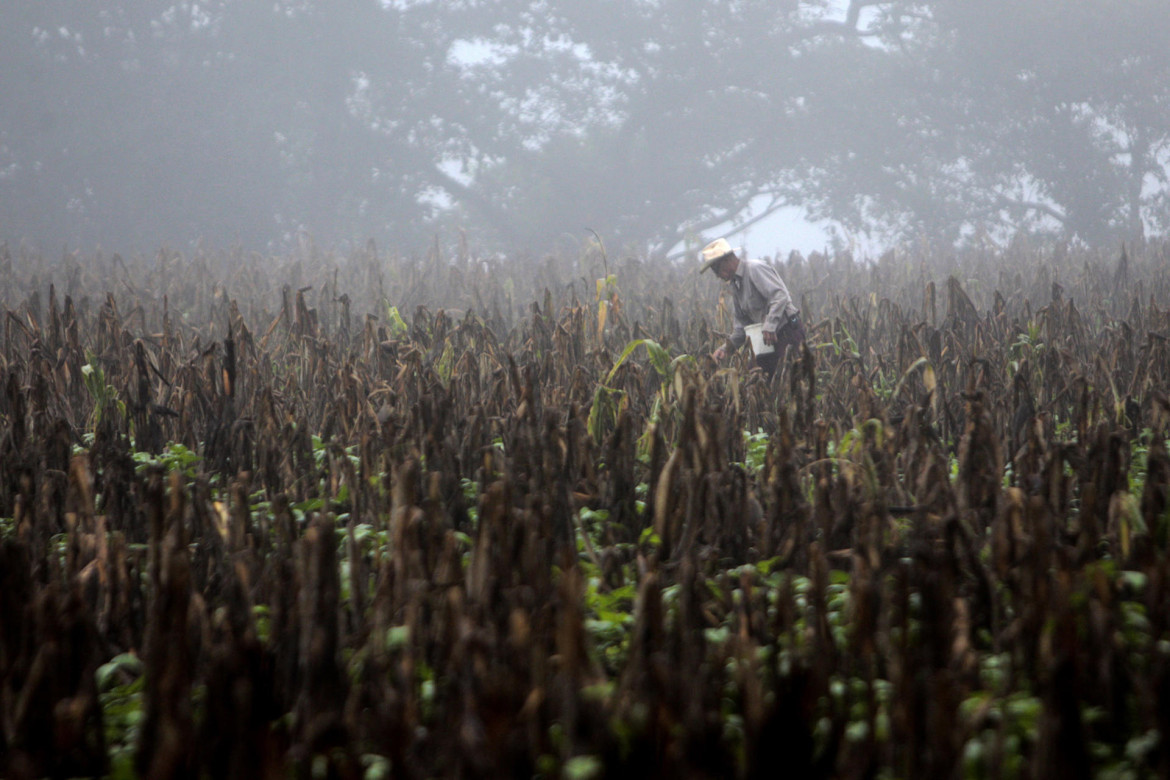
760, 295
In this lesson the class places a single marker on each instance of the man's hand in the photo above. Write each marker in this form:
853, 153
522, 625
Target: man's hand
769, 337
719, 354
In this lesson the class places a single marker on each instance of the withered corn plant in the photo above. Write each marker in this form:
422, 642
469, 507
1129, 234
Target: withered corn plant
371, 516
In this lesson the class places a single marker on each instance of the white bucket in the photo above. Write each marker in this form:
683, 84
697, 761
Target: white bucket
756, 334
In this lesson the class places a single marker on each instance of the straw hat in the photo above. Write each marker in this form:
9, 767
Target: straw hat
713, 253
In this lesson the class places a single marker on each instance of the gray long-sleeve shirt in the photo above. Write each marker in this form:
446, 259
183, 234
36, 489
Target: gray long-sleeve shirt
759, 295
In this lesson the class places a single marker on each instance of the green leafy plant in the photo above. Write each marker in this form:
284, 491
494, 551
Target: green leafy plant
121, 684
755, 450
607, 401
104, 395
176, 456
398, 326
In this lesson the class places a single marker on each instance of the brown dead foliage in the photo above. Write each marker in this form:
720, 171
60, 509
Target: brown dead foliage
275, 635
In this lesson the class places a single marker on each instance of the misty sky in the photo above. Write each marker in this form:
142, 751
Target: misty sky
137, 124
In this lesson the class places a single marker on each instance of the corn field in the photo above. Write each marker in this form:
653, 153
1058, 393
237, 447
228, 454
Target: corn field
364, 515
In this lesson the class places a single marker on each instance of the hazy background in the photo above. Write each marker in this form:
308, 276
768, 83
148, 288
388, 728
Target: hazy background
135, 124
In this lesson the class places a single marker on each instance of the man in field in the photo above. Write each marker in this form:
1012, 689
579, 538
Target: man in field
759, 295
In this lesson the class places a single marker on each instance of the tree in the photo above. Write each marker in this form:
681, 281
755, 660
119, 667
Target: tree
102, 149
645, 119
942, 118
1038, 115
135, 124
648, 120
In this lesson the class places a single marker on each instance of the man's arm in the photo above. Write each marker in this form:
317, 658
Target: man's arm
738, 335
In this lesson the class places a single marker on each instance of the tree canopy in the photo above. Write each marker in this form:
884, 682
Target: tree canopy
137, 123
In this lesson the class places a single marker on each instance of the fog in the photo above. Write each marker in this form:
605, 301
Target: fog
523, 125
